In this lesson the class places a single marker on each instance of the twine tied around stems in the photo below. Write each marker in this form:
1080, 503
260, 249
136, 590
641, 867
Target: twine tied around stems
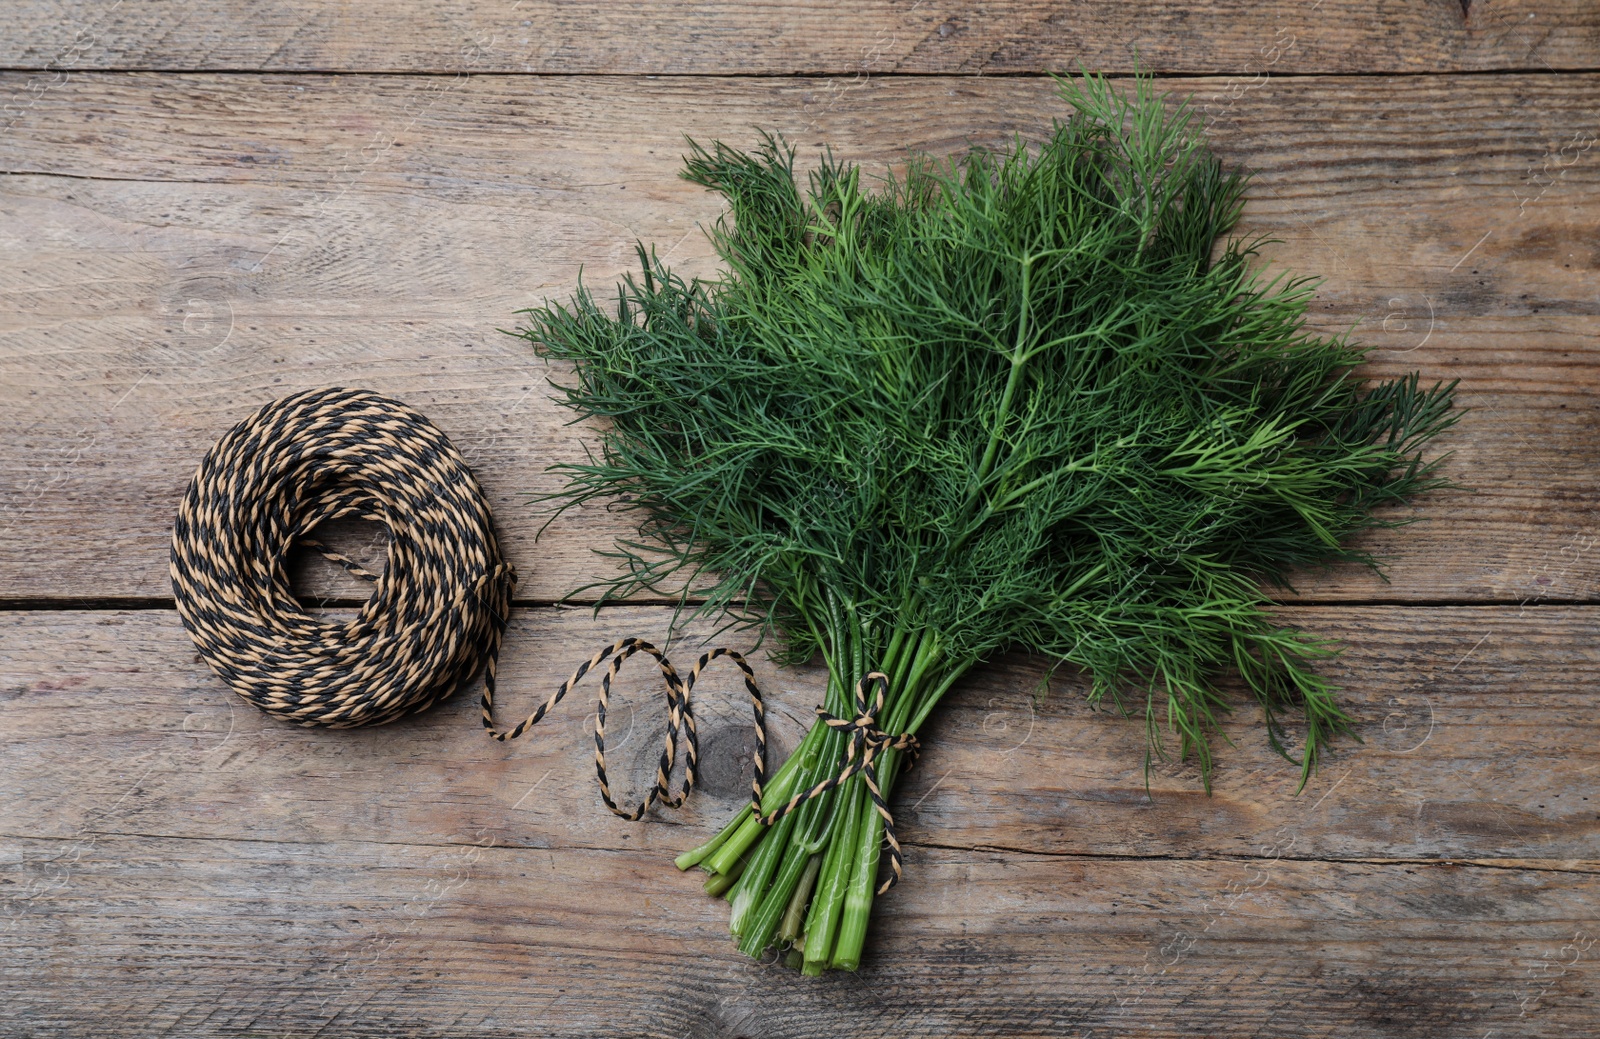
439, 608
867, 741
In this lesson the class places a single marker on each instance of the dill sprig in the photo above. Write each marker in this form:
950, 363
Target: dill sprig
1005, 401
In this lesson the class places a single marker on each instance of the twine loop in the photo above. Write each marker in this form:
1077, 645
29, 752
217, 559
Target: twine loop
680, 719
867, 740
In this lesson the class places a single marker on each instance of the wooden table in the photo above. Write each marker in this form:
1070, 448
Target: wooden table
205, 208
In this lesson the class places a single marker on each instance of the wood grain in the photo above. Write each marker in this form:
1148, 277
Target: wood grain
789, 37
1478, 724
183, 248
239, 937
206, 206
204, 870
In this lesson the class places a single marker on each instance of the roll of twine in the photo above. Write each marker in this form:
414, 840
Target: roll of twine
438, 609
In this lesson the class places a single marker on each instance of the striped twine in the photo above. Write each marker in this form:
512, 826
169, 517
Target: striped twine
438, 609
680, 718
867, 741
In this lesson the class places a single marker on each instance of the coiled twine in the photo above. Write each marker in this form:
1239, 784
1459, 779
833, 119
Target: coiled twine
437, 609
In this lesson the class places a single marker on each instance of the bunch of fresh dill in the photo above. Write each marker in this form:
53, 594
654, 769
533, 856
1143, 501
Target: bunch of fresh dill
1005, 402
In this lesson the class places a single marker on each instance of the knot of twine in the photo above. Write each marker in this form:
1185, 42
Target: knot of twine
439, 608
867, 741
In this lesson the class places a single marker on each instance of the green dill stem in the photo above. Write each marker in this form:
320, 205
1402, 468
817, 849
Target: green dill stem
931, 700
813, 820
801, 825
795, 917
818, 820
863, 881
739, 841
1018, 360
758, 908
844, 854
763, 863
823, 920
692, 858
746, 829
865, 849
850, 828
891, 653
718, 884
928, 655
762, 925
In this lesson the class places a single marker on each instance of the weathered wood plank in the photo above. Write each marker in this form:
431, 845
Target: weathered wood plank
790, 37
1481, 741
183, 248
135, 934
